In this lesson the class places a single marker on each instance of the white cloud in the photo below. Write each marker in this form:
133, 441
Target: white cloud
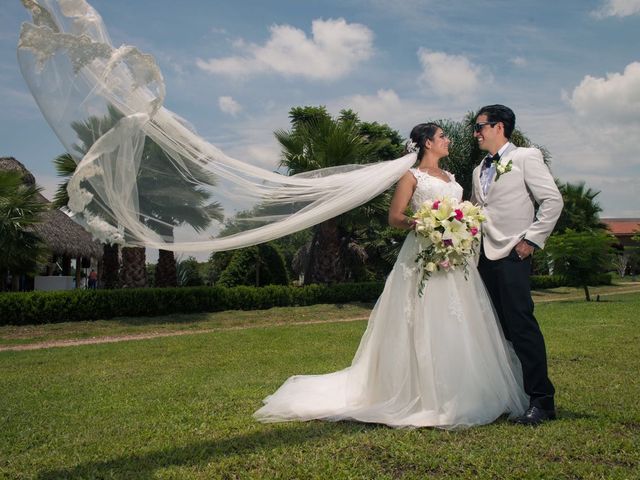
608, 110
612, 99
386, 106
618, 8
383, 105
266, 155
596, 140
334, 49
451, 76
581, 152
229, 105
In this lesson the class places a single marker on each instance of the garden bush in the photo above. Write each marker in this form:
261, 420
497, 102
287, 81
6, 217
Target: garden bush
258, 265
28, 308
546, 281
77, 305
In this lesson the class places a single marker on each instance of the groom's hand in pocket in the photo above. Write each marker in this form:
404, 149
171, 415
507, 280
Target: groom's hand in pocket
524, 249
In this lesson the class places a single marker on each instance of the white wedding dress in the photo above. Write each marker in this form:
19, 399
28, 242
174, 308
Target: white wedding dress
439, 360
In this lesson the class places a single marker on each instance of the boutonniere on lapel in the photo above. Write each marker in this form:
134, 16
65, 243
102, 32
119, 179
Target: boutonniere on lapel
502, 169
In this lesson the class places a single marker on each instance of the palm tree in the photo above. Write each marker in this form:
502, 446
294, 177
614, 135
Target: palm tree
159, 173
160, 182
20, 208
88, 132
581, 210
316, 141
65, 166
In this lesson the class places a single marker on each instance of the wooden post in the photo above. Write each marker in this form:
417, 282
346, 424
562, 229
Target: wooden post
78, 272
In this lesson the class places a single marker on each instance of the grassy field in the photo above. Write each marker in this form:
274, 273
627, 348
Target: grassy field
180, 407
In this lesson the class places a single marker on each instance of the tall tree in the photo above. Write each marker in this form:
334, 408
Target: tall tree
580, 214
581, 256
316, 140
161, 180
65, 164
581, 210
160, 173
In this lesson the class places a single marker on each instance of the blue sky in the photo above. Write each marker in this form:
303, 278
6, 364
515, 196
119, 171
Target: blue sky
570, 69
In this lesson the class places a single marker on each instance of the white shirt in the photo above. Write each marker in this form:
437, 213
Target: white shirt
486, 173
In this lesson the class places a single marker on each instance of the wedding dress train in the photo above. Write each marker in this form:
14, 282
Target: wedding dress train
436, 360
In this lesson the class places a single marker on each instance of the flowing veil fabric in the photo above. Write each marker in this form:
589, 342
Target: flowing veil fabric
143, 176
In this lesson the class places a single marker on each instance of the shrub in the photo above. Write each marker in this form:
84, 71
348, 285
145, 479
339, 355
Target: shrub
547, 281
79, 305
258, 266
188, 273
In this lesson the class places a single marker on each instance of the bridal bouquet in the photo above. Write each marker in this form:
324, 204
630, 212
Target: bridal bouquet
449, 232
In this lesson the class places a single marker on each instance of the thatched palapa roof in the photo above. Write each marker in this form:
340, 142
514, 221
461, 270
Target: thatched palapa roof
60, 233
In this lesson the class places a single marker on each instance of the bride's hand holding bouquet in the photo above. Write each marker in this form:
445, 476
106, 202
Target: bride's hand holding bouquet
448, 233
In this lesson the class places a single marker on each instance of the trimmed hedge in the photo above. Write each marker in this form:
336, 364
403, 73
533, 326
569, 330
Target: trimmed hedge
553, 281
78, 305
32, 308
546, 281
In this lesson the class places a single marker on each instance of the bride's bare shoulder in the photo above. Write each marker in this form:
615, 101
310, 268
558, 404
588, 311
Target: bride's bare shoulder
409, 177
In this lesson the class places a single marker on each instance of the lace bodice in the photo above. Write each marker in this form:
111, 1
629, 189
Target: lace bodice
429, 187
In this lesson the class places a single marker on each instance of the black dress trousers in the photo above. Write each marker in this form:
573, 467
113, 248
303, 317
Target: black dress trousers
509, 286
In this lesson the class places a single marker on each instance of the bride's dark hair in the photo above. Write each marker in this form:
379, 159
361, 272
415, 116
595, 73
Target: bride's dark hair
421, 133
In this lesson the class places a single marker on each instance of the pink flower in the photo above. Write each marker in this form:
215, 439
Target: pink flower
459, 214
474, 231
447, 242
435, 205
445, 264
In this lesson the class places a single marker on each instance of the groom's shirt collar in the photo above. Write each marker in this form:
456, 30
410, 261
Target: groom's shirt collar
503, 148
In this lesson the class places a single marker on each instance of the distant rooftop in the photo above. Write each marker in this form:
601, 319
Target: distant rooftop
622, 226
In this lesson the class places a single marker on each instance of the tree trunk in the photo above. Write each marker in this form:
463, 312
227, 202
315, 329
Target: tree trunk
166, 273
325, 263
66, 265
111, 266
586, 293
134, 268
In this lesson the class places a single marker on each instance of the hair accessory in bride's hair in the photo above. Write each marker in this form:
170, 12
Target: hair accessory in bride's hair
410, 146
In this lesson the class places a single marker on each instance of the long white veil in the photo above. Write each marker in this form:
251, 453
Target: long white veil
143, 177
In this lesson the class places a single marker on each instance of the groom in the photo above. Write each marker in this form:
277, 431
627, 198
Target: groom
508, 184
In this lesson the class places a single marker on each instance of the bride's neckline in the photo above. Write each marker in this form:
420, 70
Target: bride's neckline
423, 172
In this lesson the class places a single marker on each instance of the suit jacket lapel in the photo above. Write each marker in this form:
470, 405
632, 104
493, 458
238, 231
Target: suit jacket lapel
506, 156
478, 183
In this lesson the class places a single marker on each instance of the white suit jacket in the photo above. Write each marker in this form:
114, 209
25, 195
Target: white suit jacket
509, 204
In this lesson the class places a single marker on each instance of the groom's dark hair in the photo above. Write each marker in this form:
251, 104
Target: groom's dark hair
500, 113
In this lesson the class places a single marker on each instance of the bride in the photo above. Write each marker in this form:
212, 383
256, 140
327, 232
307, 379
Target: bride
437, 360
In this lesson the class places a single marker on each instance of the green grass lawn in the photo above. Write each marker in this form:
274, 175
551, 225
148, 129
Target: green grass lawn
180, 407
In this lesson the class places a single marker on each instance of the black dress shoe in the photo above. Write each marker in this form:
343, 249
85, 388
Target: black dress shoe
535, 416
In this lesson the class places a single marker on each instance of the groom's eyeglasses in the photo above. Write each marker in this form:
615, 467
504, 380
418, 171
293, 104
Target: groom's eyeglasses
478, 126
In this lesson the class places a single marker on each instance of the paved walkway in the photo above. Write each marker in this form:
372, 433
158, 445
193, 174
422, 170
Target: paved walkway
635, 287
